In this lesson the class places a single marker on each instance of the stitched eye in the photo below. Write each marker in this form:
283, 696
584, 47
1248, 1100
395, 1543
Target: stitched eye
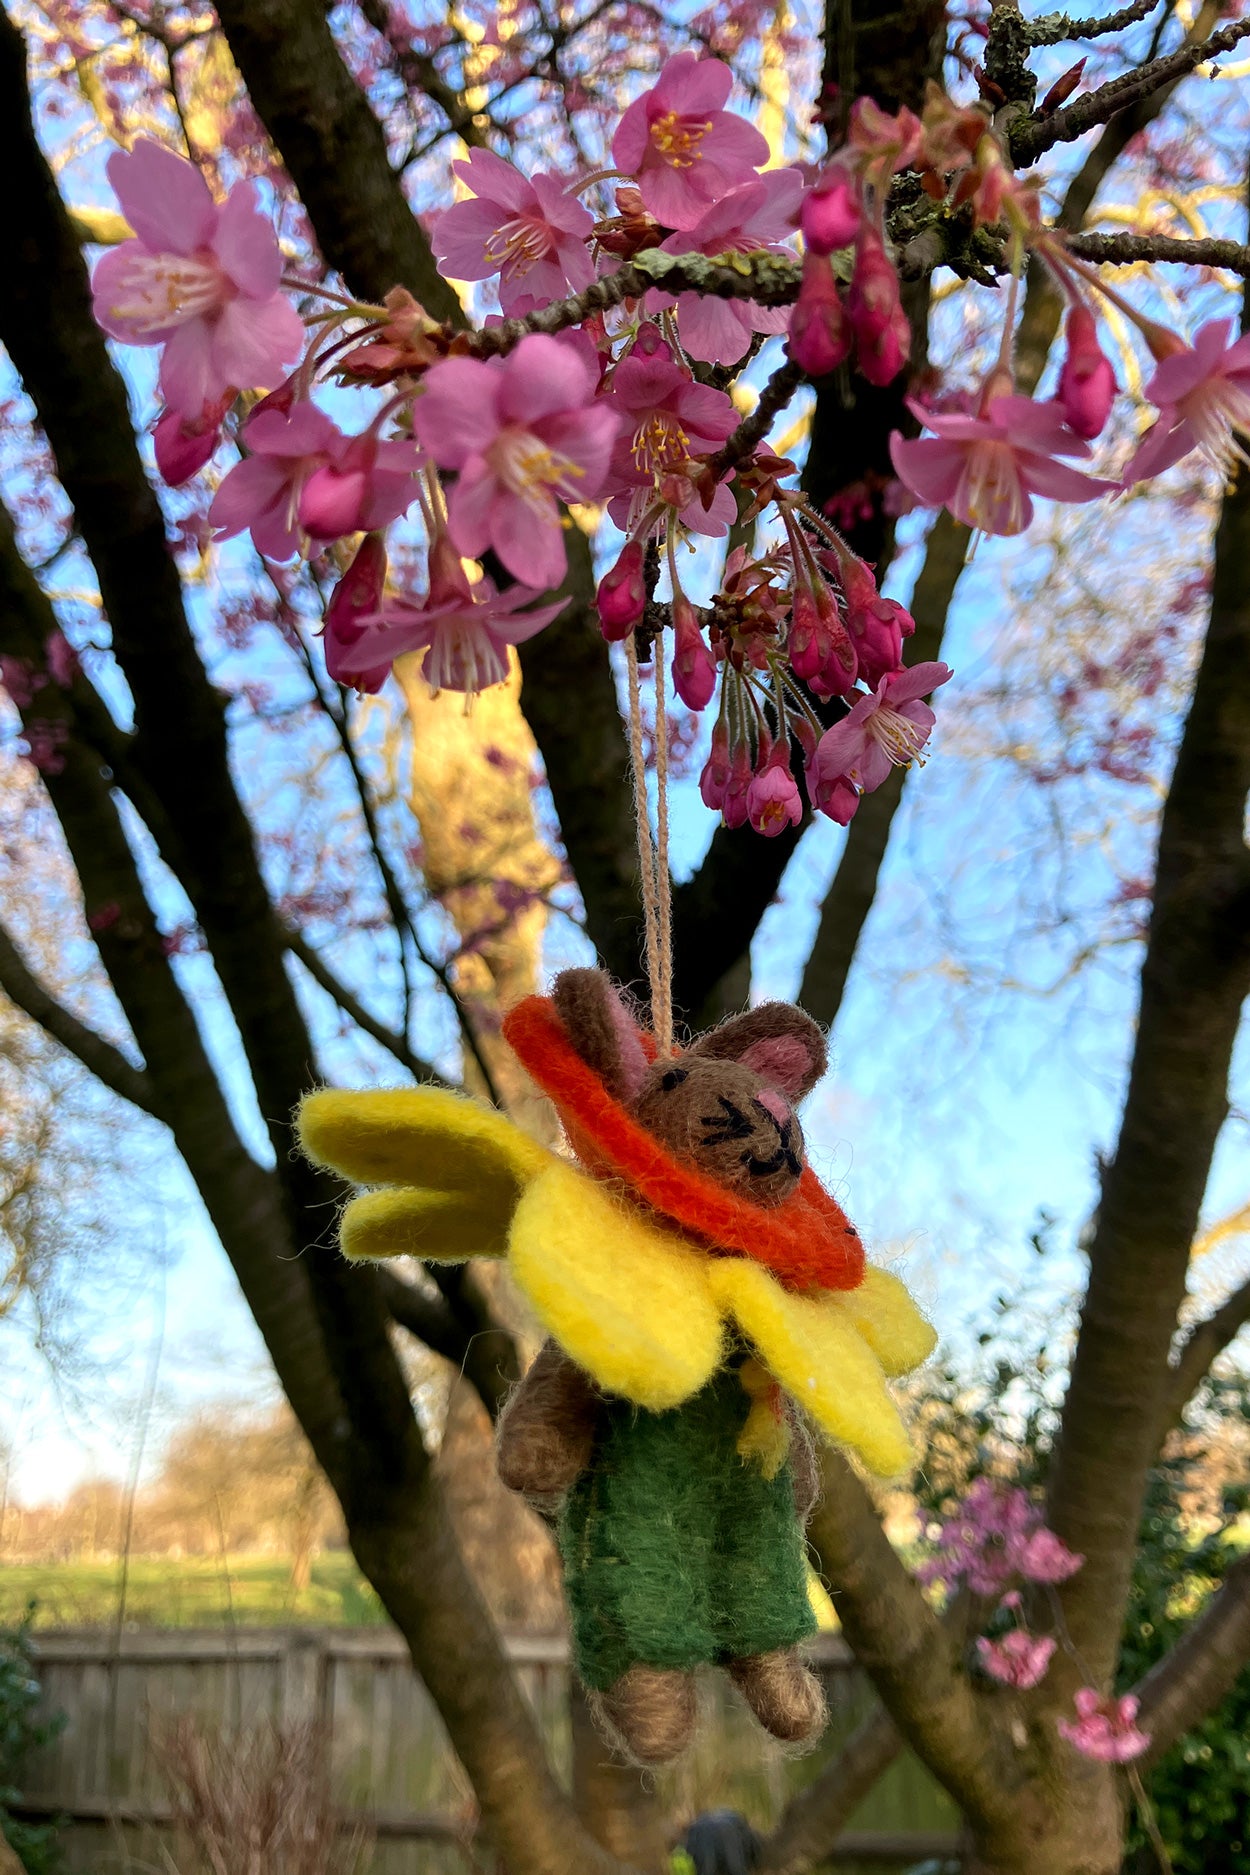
673, 1078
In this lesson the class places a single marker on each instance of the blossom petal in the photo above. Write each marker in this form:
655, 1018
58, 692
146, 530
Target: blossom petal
541, 377
246, 245
631, 1304
820, 1359
255, 341
455, 416
164, 198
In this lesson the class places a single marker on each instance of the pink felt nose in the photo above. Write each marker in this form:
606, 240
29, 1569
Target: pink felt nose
774, 1103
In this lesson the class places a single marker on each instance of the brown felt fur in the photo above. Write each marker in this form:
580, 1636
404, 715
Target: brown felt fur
785, 1696
547, 1429
583, 1000
804, 1464
649, 1715
709, 1111
769, 1022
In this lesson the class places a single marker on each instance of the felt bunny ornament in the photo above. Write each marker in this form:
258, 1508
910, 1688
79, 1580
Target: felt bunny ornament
699, 1287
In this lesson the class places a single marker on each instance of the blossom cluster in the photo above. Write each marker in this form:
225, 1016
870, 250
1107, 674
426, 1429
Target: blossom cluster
994, 1545
586, 397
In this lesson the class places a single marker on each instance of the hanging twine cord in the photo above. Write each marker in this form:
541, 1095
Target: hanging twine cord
653, 850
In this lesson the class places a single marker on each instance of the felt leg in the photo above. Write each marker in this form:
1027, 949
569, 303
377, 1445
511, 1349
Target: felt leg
785, 1696
547, 1429
649, 1713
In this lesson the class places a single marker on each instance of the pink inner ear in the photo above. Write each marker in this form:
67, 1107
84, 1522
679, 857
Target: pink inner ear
633, 1060
781, 1059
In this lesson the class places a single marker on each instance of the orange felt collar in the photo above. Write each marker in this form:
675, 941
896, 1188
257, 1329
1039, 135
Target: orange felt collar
806, 1241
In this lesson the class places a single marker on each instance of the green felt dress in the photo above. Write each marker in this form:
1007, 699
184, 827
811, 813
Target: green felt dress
677, 1551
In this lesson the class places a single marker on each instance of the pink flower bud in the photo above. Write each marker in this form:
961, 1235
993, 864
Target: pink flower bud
331, 502
622, 595
1087, 386
808, 640
773, 799
354, 600
882, 334
694, 667
741, 775
820, 336
714, 780
838, 799
830, 214
183, 444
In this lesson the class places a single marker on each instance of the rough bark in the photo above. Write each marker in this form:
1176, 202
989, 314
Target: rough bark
1194, 980
333, 146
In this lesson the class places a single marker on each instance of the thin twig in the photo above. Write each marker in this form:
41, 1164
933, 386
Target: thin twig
1033, 136
1053, 28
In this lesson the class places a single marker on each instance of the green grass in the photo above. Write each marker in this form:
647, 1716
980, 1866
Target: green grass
190, 1592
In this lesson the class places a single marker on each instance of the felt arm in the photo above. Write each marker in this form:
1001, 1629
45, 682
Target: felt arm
804, 1465
547, 1430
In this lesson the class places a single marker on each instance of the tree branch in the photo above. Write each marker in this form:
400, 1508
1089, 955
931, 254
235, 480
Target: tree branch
813, 1820
901, 1644
1033, 136
333, 146
459, 1326
1198, 1350
351, 1005
1126, 250
1195, 978
1192, 1679
97, 1055
1053, 28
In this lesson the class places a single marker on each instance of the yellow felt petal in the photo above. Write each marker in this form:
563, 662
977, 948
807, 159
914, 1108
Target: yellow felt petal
888, 1319
821, 1360
441, 1226
420, 1136
629, 1303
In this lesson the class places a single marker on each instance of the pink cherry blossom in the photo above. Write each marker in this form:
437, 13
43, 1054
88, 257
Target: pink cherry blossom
882, 333
998, 1536
523, 433
464, 630
369, 484
832, 209
820, 331
773, 799
890, 726
666, 422
1087, 385
355, 601
877, 626
1105, 1728
531, 232
987, 469
685, 150
714, 779
1203, 394
1043, 1557
694, 667
200, 278
622, 595
262, 493
1019, 1659
757, 216
183, 442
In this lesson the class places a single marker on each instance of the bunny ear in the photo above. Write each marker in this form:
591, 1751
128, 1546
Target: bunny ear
602, 1030
776, 1041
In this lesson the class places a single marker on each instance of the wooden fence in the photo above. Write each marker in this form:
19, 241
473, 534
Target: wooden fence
390, 1763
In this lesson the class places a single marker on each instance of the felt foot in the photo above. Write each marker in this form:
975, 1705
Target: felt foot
649, 1712
784, 1695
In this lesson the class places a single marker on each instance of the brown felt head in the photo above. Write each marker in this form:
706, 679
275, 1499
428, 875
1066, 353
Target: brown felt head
726, 1104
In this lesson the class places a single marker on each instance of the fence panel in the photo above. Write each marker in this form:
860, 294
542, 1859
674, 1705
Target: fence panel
391, 1766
